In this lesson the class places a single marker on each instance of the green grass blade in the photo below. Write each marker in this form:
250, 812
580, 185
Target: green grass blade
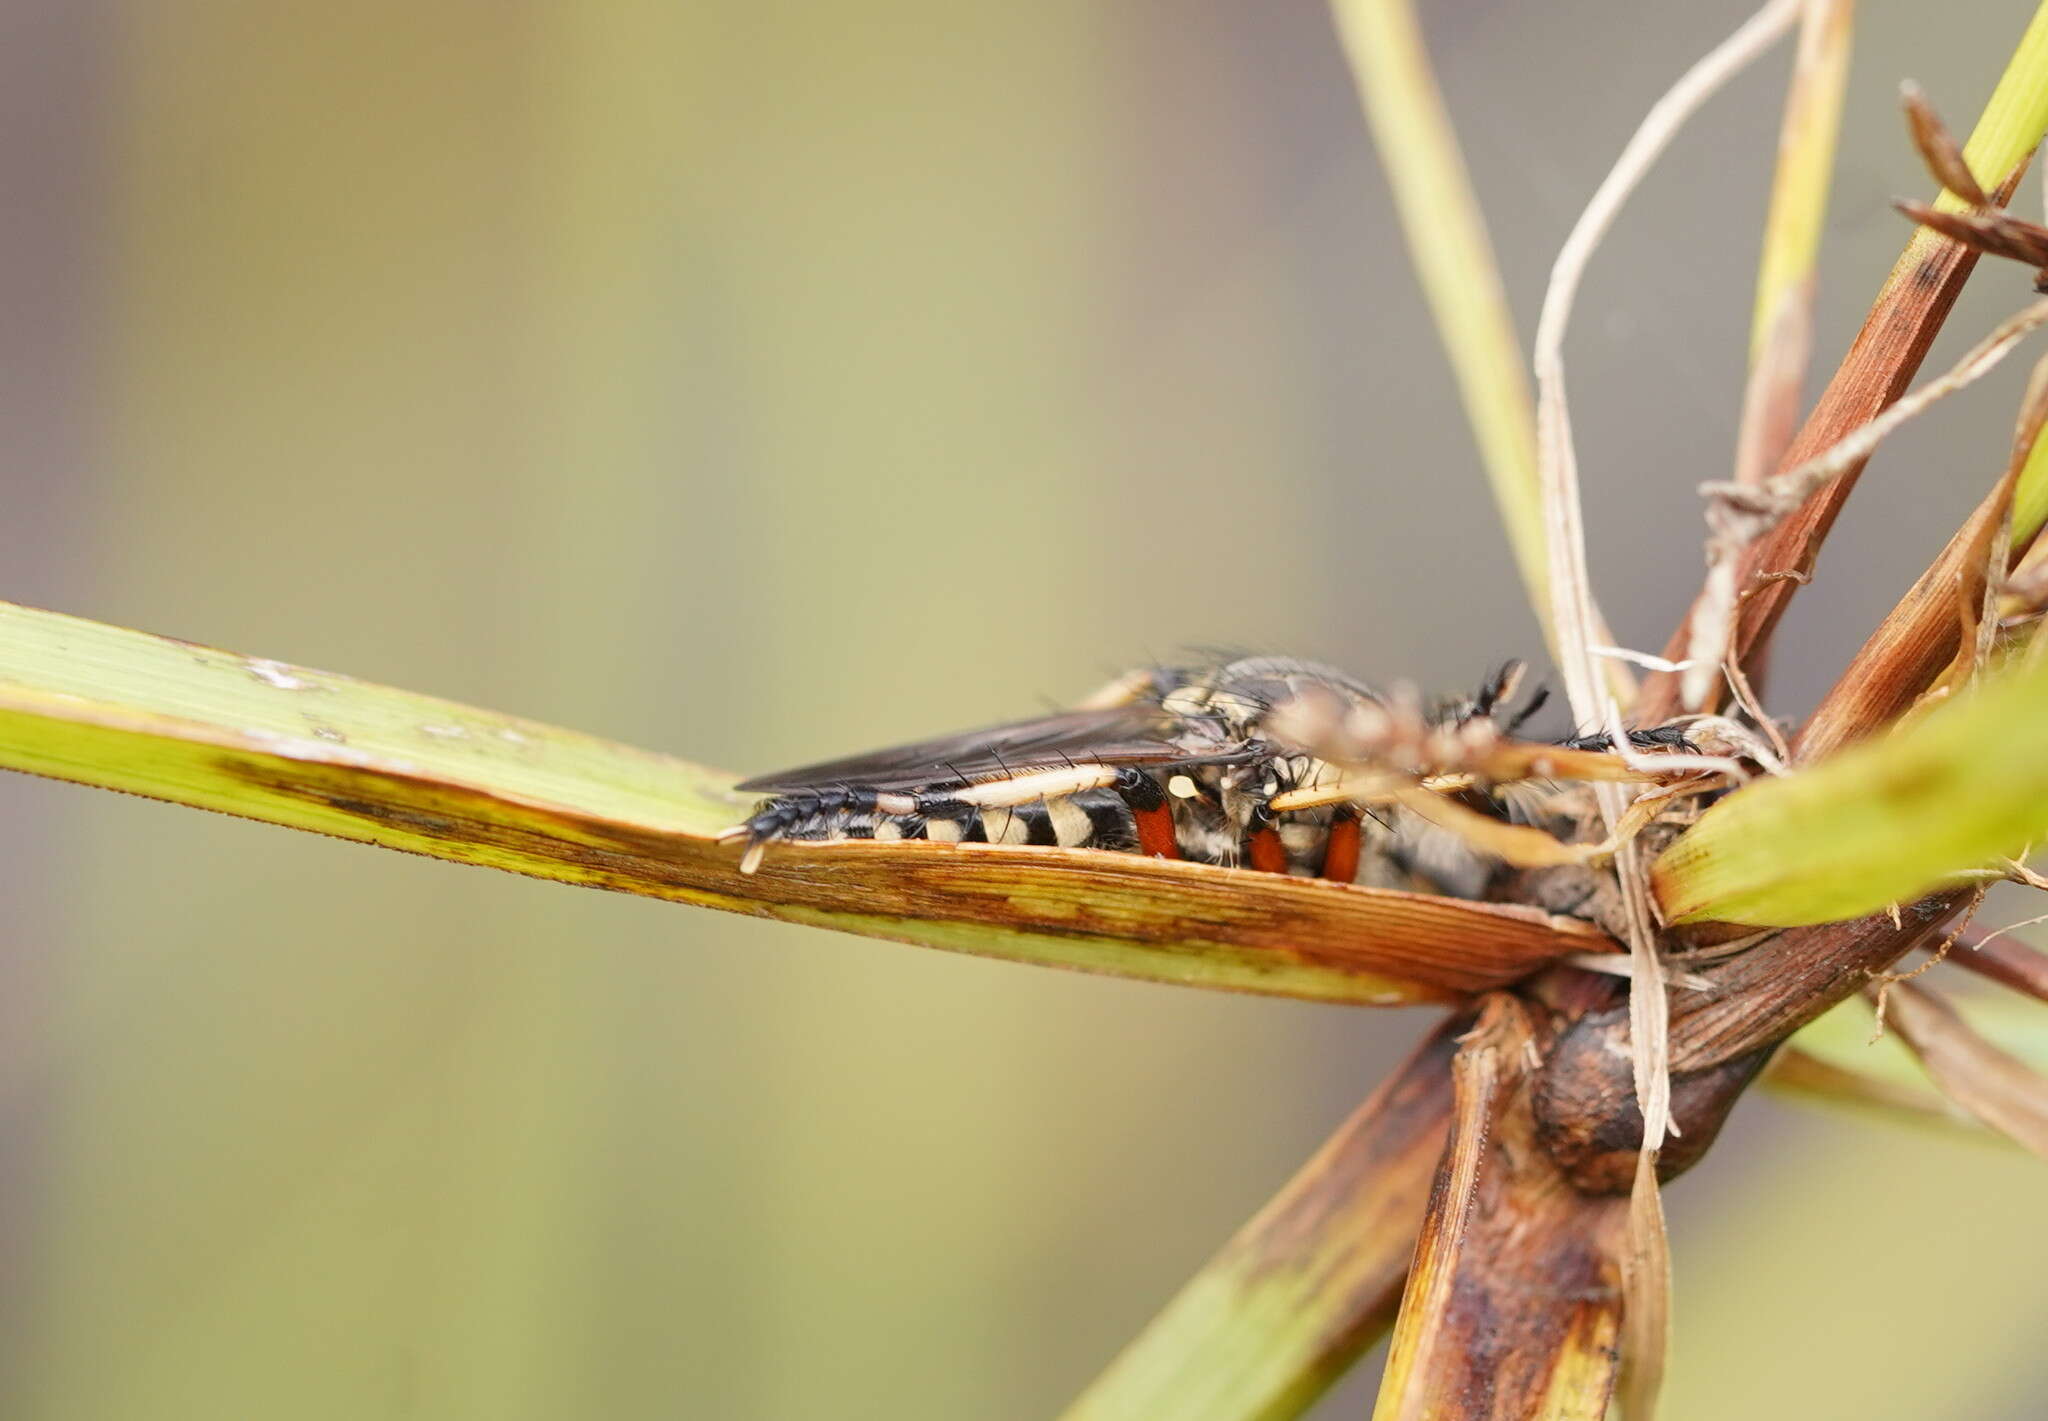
1306, 1286
1880, 823
306, 749
2030, 496
1455, 264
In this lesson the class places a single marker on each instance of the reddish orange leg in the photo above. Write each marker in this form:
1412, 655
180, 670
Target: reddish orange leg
1155, 833
1264, 851
1152, 815
1341, 850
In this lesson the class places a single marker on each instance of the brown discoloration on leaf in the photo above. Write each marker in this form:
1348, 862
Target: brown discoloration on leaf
1316, 1274
1175, 922
1227, 927
127, 711
1513, 1307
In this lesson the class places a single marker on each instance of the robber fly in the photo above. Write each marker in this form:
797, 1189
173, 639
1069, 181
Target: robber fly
1228, 762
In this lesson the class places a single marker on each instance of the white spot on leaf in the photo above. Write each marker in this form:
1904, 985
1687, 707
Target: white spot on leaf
275, 673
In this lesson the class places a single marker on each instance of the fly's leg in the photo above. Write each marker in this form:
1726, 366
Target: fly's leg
1150, 813
1342, 849
1262, 847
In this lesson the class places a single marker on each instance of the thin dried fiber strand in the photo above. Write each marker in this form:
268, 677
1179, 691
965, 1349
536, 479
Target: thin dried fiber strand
1778, 497
1570, 588
2008, 930
1557, 462
1646, 1273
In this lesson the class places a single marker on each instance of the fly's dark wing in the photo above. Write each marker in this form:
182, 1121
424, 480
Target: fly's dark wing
1122, 735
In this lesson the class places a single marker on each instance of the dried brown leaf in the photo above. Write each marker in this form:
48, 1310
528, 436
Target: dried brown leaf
1947, 609
1938, 147
1997, 1088
1986, 230
1646, 1293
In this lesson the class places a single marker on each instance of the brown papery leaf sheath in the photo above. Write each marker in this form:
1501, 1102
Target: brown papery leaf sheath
1923, 634
1513, 1306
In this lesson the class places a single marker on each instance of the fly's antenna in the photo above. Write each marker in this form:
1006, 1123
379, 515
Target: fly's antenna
1499, 687
1537, 700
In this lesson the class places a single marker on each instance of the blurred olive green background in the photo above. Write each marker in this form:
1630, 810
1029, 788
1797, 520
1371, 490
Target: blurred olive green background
761, 381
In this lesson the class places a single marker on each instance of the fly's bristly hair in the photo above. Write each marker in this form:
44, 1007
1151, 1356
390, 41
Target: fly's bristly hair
1178, 762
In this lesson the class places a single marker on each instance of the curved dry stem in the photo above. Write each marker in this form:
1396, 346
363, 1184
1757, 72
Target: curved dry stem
1557, 461
1587, 681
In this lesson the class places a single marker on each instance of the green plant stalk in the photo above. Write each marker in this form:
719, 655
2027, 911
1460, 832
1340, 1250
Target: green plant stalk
1806, 155
2015, 116
2012, 127
1455, 264
2030, 497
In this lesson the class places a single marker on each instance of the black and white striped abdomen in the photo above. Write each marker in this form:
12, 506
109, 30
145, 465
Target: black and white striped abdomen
1087, 819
